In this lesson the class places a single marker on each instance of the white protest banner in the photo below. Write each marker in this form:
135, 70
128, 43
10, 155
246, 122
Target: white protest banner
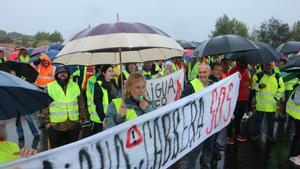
165, 90
155, 140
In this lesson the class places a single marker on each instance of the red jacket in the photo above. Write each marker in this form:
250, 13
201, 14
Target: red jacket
245, 81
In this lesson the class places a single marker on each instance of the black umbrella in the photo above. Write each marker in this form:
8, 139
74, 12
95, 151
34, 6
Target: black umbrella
187, 45
224, 44
289, 47
23, 70
18, 97
265, 54
293, 65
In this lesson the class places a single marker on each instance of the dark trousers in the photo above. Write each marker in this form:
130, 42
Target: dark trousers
259, 118
60, 138
295, 147
235, 124
96, 128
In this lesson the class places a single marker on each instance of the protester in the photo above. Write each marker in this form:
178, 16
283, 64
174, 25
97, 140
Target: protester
269, 88
24, 56
240, 109
67, 111
105, 90
293, 109
129, 68
193, 67
20, 130
135, 104
177, 65
159, 67
46, 72
168, 68
9, 150
206, 147
217, 72
147, 71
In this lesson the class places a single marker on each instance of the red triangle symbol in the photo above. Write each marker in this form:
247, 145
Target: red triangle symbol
134, 137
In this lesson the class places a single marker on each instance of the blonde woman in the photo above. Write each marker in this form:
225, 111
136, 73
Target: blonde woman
135, 102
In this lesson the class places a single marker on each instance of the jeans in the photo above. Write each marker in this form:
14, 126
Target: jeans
295, 147
259, 118
31, 125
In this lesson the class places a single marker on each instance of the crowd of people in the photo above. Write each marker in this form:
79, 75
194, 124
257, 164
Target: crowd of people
91, 97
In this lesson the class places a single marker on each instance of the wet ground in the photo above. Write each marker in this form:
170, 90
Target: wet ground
248, 155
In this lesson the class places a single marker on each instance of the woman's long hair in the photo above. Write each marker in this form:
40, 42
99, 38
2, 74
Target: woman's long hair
132, 79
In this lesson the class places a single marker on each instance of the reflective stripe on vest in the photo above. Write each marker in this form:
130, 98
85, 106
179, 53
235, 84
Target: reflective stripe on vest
130, 115
197, 85
64, 106
293, 109
126, 74
24, 59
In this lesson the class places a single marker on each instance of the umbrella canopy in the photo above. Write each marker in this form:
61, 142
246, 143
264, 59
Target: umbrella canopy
187, 44
19, 97
23, 70
101, 45
224, 44
293, 65
289, 47
52, 53
56, 46
13, 56
39, 50
265, 54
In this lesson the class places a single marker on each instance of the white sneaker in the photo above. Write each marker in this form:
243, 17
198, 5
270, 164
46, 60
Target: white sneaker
295, 160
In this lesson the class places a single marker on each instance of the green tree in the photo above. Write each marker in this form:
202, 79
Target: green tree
273, 32
295, 32
42, 43
40, 36
224, 25
55, 37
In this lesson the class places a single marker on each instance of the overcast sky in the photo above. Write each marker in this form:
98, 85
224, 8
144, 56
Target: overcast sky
184, 19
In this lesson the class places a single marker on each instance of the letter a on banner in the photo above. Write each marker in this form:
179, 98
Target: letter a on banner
134, 137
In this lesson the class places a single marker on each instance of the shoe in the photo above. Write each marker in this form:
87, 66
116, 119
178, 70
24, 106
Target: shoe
230, 140
295, 160
21, 138
36, 137
241, 138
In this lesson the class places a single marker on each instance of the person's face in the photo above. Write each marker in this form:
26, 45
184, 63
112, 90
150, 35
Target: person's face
62, 75
109, 74
147, 66
45, 63
268, 68
178, 60
217, 71
281, 65
22, 52
203, 73
138, 89
169, 69
132, 68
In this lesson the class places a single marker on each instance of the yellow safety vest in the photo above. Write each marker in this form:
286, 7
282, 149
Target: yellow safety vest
8, 151
126, 74
193, 72
160, 70
90, 99
24, 59
293, 109
148, 74
2, 60
265, 98
64, 106
289, 85
197, 85
131, 114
